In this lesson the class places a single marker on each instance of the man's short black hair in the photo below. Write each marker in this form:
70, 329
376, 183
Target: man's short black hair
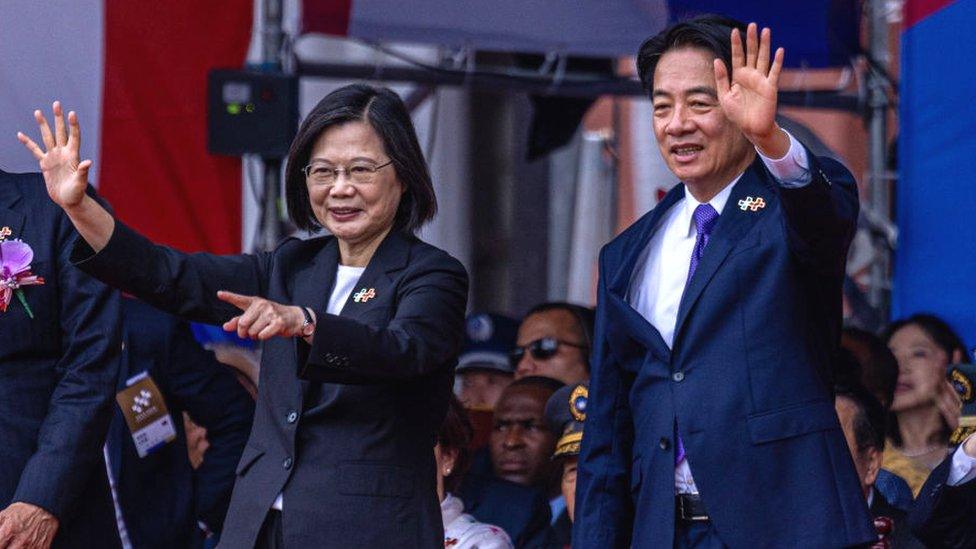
585, 319
879, 368
869, 419
707, 32
547, 383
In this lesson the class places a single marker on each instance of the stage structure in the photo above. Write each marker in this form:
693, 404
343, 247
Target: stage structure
553, 49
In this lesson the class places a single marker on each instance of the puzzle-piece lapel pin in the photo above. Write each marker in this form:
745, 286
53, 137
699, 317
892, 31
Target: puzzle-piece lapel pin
752, 204
364, 295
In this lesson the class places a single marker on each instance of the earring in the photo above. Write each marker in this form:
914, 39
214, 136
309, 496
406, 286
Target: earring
447, 471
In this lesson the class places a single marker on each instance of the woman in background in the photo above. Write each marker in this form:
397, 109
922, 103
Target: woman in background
926, 409
461, 531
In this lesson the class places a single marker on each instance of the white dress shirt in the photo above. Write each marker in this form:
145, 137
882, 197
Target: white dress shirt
346, 279
963, 468
659, 277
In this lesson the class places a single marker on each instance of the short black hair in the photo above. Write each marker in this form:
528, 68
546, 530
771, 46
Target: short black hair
455, 434
585, 318
385, 112
879, 368
707, 32
869, 419
546, 383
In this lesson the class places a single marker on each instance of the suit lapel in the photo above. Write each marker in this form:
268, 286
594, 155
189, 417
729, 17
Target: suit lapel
638, 327
636, 324
376, 281
732, 225
312, 289
620, 279
10, 218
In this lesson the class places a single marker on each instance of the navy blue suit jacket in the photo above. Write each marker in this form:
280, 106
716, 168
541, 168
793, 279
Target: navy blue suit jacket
57, 375
162, 498
944, 516
344, 427
747, 380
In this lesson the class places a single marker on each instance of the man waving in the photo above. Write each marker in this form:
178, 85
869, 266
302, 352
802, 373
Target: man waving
710, 421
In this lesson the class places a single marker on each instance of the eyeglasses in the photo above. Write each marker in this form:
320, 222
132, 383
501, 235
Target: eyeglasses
322, 174
541, 349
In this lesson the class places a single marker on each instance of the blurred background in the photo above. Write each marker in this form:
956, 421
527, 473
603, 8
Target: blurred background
538, 136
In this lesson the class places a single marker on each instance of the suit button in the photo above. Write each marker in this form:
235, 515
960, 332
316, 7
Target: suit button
292, 417
678, 377
287, 463
665, 443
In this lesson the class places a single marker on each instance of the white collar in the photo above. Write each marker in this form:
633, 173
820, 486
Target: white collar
687, 213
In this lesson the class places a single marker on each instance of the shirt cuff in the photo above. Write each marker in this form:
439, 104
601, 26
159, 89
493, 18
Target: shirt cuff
963, 467
793, 170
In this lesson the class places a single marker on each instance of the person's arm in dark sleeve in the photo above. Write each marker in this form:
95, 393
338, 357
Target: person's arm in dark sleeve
210, 393
604, 512
944, 513
179, 283
819, 198
69, 442
425, 333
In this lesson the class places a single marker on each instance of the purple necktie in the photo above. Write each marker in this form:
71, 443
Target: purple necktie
705, 217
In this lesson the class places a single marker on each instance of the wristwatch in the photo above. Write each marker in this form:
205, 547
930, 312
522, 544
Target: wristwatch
308, 325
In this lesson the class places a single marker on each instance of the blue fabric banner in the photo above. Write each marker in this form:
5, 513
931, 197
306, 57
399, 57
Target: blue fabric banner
935, 264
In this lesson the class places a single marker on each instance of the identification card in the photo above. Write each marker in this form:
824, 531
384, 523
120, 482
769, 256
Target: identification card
146, 414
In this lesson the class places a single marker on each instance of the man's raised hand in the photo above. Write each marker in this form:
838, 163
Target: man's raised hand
749, 100
66, 178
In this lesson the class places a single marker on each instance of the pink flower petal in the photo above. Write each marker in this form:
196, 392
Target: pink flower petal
15, 256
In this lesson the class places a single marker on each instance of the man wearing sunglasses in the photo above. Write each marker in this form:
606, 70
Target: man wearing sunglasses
554, 342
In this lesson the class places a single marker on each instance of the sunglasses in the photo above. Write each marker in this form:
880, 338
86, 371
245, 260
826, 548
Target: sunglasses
540, 349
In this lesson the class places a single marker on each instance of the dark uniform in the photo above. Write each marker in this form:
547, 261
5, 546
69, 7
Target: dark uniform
566, 412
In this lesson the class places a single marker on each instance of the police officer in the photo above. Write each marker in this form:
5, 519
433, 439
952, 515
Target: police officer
566, 412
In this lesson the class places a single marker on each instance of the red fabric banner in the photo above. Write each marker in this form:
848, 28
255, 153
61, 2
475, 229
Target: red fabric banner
326, 16
155, 168
916, 10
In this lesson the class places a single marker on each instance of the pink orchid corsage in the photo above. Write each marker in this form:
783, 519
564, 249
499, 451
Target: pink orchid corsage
15, 273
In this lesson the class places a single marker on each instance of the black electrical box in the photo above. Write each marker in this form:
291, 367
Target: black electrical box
251, 112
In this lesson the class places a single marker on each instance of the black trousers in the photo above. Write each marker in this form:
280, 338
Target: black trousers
270, 536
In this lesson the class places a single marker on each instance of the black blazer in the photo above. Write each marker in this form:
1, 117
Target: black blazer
345, 427
57, 376
522, 511
944, 516
162, 498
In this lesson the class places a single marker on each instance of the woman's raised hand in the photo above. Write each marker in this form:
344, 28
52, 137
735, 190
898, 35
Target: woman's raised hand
261, 318
66, 178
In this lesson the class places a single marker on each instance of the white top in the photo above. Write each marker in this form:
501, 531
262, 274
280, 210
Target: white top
659, 277
346, 279
462, 531
963, 468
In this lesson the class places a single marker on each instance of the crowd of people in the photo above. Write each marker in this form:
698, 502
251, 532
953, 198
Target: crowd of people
711, 399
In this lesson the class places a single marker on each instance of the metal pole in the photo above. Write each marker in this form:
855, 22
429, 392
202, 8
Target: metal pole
271, 228
878, 102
